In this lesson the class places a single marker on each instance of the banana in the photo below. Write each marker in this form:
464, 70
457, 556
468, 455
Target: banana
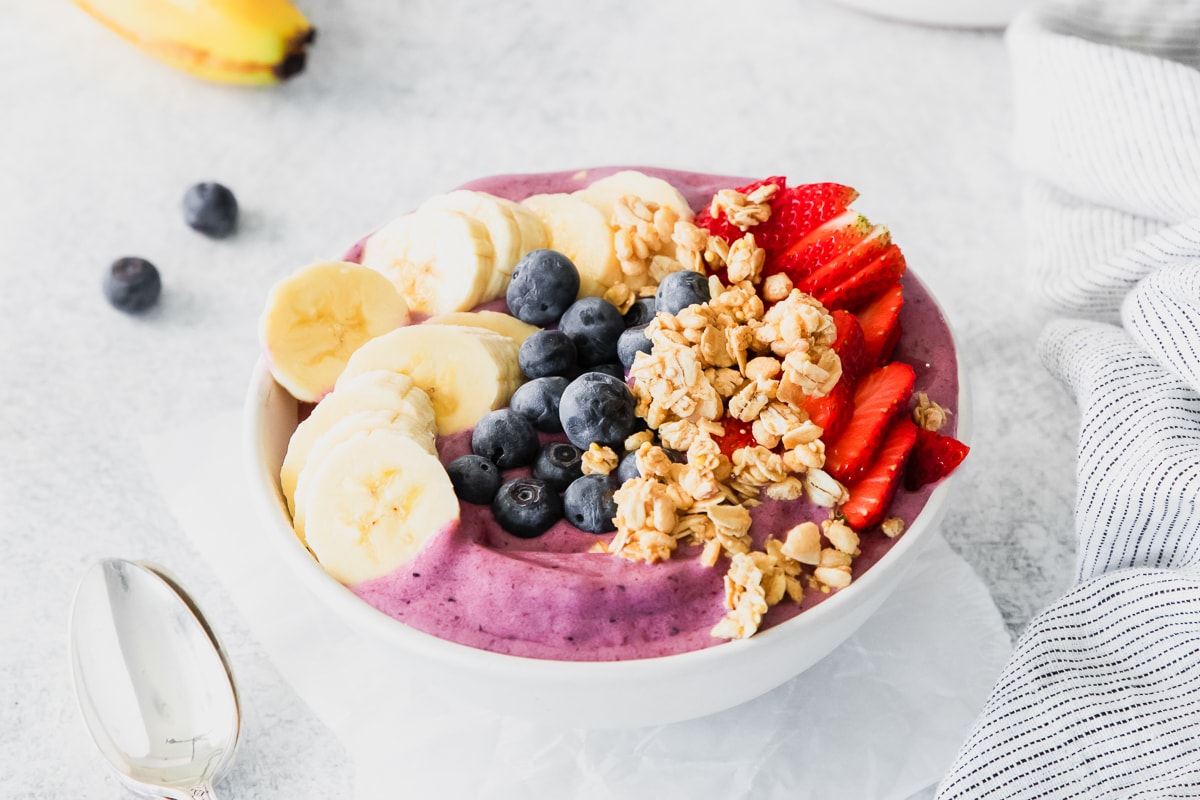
439, 260
320, 314
503, 324
497, 216
466, 371
533, 232
376, 499
604, 193
577, 230
236, 41
421, 434
371, 391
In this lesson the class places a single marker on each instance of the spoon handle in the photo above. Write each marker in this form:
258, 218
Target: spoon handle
202, 792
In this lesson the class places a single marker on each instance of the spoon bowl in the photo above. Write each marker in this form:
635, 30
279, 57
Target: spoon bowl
152, 681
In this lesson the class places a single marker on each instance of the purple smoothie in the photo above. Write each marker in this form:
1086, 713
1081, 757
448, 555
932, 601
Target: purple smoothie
548, 597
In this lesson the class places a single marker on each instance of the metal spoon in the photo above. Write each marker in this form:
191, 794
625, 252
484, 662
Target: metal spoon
152, 681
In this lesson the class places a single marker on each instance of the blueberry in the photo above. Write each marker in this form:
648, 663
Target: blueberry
132, 284
505, 437
593, 324
537, 401
559, 464
475, 479
641, 312
627, 468
211, 209
589, 505
547, 353
597, 408
527, 507
632, 342
544, 283
680, 290
616, 370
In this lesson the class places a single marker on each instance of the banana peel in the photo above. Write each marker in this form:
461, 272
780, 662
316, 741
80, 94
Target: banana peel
232, 41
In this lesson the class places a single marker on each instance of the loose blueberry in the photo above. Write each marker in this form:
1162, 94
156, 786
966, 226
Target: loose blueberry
544, 284
475, 479
547, 353
527, 507
589, 505
559, 464
593, 324
627, 468
132, 284
616, 370
632, 342
537, 401
680, 290
641, 312
211, 209
597, 408
505, 437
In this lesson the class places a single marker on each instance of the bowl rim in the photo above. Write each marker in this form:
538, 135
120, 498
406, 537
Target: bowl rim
381, 627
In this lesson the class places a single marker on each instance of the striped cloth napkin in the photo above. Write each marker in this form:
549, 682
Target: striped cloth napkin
1101, 697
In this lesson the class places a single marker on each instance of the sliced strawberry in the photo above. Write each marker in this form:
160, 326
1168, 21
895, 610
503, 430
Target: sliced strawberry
719, 225
795, 213
851, 347
868, 283
879, 397
934, 457
830, 240
737, 435
845, 267
871, 495
880, 323
832, 411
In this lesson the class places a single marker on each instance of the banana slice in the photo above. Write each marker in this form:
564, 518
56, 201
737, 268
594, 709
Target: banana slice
421, 434
604, 193
439, 260
581, 233
503, 324
466, 371
533, 232
315, 318
376, 499
497, 216
371, 391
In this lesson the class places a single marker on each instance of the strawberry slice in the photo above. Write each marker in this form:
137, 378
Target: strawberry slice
868, 283
851, 347
829, 241
878, 398
737, 435
871, 494
833, 411
880, 323
845, 267
795, 213
934, 457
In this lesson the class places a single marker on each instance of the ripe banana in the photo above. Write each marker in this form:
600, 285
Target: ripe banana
236, 41
439, 260
375, 500
604, 193
495, 213
318, 316
577, 230
503, 324
371, 391
467, 372
420, 433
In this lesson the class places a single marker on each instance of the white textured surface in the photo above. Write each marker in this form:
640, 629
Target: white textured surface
97, 145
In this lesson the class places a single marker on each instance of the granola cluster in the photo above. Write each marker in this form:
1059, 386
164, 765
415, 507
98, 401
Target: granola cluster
644, 241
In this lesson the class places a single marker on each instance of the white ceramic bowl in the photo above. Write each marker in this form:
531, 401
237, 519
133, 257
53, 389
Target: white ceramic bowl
615, 694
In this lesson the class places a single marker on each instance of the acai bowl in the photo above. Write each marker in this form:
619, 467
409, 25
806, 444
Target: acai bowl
524, 624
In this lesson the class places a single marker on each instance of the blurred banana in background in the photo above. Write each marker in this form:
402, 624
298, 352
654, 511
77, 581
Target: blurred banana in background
236, 41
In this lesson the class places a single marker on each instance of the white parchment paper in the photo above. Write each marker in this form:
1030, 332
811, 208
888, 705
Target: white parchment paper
880, 717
